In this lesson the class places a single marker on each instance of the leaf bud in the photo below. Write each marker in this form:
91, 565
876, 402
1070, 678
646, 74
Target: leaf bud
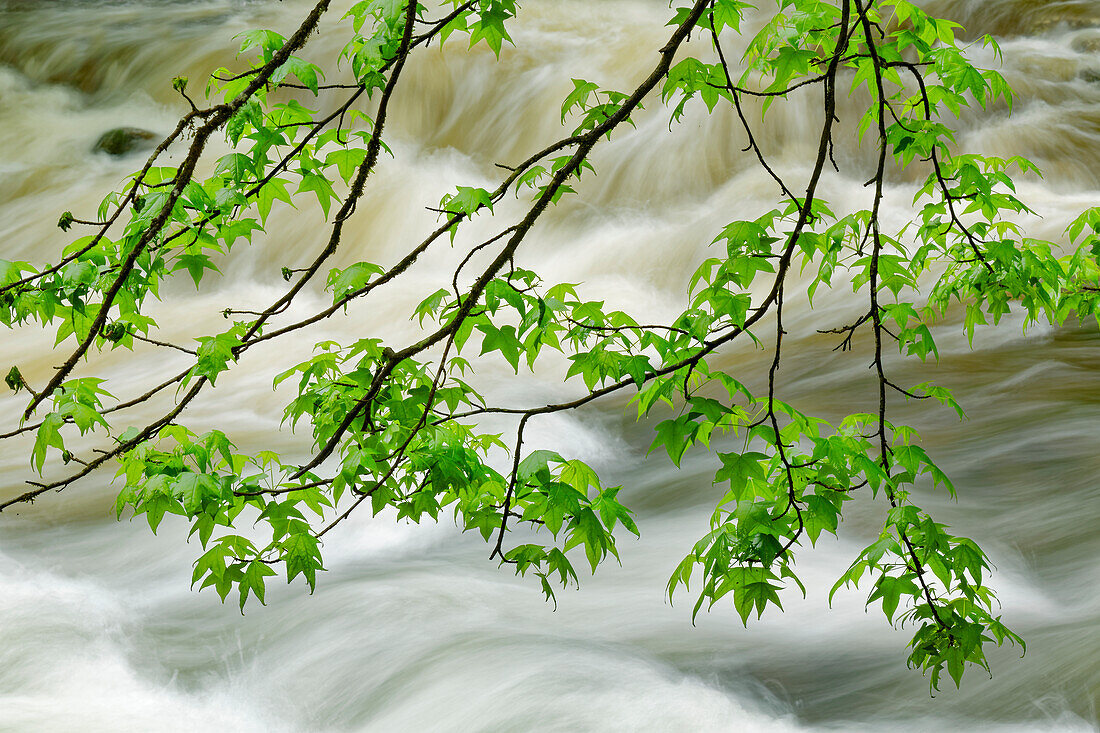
114, 331
179, 83
66, 221
14, 379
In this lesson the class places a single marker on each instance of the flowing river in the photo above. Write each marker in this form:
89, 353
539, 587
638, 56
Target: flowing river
412, 629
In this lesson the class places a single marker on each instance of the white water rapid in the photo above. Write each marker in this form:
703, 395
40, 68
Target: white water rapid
412, 629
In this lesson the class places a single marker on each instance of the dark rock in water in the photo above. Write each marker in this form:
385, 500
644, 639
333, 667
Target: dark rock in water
122, 140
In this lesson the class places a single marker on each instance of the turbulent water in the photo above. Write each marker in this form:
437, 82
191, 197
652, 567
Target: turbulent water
412, 629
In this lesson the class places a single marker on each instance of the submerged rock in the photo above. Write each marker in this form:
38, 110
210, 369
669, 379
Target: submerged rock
122, 140
1086, 43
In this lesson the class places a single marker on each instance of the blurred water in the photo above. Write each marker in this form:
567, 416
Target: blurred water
412, 629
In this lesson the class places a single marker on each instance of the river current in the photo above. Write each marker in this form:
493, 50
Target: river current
412, 629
